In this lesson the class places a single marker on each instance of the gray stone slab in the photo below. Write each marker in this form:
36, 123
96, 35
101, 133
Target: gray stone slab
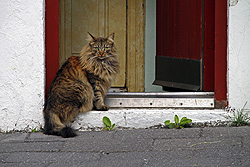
245, 161
81, 136
9, 137
30, 146
226, 146
195, 144
223, 153
167, 158
160, 133
3, 156
136, 133
49, 157
77, 159
73, 164
109, 145
38, 136
90, 135
23, 164
125, 159
163, 160
246, 142
226, 131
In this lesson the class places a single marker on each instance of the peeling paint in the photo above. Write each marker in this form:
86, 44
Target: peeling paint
233, 2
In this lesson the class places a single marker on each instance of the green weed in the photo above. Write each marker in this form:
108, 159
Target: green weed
178, 124
109, 125
239, 116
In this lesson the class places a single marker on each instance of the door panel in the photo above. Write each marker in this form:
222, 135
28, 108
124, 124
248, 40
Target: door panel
180, 42
98, 17
116, 22
84, 19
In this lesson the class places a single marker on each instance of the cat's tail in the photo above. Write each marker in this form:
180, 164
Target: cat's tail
54, 126
67, 132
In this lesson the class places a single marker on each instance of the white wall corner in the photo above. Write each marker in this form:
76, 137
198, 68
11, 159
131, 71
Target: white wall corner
22, 61
239, 53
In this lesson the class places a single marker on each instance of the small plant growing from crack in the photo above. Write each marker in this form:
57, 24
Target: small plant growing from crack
34, 130
37, 130
178, 124
240, 117
109, 125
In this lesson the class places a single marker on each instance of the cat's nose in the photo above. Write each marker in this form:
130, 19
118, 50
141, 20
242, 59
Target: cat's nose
101, 53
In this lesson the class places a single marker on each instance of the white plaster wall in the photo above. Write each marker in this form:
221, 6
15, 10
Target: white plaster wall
21, 64
239, 53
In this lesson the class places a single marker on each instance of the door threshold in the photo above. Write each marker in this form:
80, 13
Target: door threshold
160, 100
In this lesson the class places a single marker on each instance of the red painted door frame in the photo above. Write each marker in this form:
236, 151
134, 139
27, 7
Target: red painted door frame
220, 46
209, 24
51, 41
220, 52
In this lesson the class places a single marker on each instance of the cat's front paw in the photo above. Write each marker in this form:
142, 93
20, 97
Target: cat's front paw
103, 108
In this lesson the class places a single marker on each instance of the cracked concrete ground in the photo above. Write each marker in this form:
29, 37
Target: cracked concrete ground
217, 146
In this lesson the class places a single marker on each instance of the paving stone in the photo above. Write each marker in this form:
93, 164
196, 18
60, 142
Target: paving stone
125, 159
17, 136
226, 131
195, 144
30, 146
160, 133
3, 156
246, 142
163, 160
109, 145
90, 135
38, 136
225, 146
109, 160
49, 157
23, 164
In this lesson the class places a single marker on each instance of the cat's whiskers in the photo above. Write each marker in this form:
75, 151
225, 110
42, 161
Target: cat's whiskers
93, 57
109, 55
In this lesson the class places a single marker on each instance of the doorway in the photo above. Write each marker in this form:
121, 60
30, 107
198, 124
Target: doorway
135, 37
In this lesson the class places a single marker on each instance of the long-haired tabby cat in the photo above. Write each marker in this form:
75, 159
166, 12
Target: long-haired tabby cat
80, 85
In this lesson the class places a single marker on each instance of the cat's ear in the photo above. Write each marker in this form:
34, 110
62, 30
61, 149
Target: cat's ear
111, 37
91, 37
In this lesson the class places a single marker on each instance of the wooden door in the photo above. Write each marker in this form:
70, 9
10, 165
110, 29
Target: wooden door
100, 18
185, 44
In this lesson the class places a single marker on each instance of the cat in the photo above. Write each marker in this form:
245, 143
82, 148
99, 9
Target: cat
80, 85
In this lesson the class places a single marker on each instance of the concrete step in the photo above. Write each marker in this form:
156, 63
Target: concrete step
145, 117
